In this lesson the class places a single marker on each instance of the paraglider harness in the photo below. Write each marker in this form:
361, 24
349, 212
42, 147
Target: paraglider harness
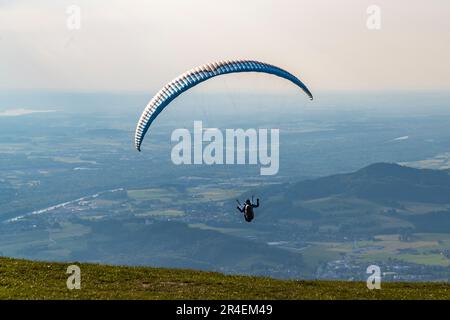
247, 209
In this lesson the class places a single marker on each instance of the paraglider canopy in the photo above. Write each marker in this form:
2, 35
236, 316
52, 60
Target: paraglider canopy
197, 75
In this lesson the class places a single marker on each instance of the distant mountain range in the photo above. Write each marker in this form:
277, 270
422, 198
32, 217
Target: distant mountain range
380, 182
375, 199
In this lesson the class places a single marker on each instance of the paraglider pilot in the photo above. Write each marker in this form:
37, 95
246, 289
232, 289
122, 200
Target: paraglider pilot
247, 209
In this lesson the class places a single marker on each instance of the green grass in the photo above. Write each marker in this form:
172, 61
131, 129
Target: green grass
428, 259
148, 194
213, 194
22, 279
165, 213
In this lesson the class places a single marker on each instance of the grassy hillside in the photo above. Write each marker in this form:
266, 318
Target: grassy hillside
21, 279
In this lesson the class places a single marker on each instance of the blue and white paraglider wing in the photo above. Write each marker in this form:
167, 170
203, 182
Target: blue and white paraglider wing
197, 75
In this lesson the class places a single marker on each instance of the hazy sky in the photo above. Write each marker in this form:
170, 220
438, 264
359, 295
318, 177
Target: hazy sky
133, 45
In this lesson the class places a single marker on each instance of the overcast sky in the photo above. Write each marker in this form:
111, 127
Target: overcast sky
133, 45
